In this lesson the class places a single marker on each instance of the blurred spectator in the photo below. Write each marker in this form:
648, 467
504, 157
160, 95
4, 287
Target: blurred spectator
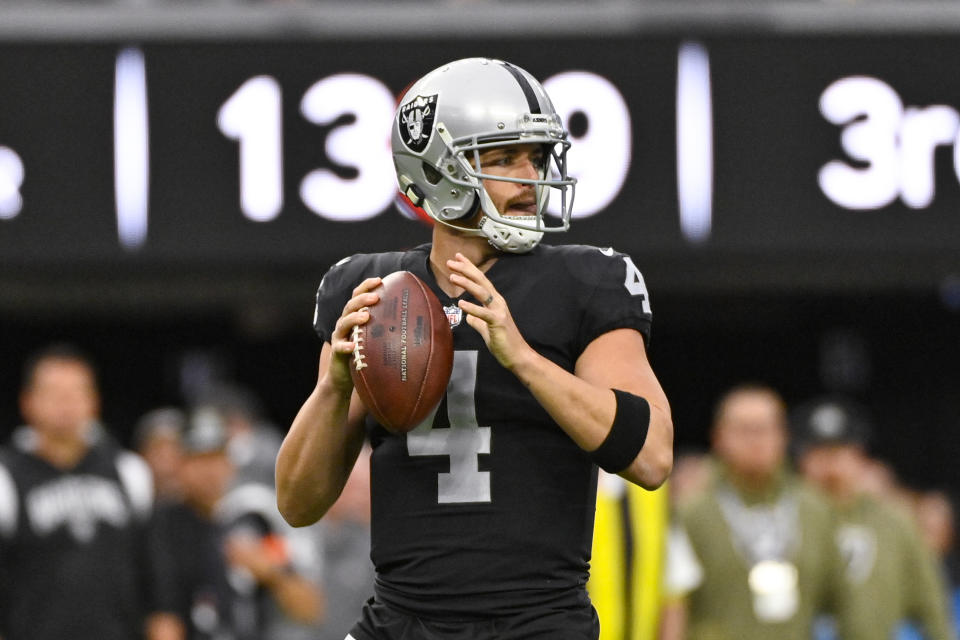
691, 475
73, 513
880, 480
156, 437
348, 571
936, 516
759, 546
224, 558
682, 574
890, 573
252, 445
253, 442
937, 520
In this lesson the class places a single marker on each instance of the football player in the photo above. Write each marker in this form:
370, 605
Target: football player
482, 516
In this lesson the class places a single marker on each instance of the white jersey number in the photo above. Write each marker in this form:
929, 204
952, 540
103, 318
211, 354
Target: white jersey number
462, 442
634, 283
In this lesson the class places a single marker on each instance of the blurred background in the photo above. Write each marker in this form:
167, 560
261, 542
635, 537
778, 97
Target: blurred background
176, 176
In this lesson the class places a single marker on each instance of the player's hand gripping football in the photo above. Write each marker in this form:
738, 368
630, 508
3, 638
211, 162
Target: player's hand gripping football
492, 318
341, 341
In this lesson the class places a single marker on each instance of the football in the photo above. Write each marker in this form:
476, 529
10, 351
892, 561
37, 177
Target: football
403, 355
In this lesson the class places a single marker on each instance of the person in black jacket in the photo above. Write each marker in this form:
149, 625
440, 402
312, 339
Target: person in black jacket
73, 510
223, 557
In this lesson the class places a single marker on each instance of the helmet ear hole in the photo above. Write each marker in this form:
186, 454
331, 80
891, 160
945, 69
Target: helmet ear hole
474, 206
431, 174
468, 211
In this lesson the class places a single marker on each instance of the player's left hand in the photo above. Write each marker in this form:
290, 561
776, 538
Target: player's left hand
492, 318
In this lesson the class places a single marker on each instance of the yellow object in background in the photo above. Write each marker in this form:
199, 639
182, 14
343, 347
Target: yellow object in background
629, 546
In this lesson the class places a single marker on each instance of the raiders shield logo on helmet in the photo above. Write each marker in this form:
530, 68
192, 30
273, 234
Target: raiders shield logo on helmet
416, 122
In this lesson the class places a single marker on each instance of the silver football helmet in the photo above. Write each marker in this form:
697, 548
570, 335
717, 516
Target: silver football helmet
448, 117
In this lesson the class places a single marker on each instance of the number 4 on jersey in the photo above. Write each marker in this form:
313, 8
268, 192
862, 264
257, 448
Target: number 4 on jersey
634, 283
462, 442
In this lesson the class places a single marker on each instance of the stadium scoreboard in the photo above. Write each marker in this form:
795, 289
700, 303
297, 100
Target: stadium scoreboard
772, 152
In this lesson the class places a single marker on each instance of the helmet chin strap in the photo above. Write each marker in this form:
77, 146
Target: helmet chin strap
503, 236
500, 235
508, 238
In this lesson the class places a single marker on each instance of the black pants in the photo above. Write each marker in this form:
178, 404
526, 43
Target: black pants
379, 622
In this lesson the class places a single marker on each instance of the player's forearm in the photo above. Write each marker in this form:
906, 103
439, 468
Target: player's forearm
583, 411
651, 467
586, 412
316, 456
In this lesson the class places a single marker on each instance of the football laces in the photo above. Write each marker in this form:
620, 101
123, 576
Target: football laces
358, 356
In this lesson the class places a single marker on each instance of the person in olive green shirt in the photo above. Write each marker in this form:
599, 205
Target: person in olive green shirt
762, 542
891, 574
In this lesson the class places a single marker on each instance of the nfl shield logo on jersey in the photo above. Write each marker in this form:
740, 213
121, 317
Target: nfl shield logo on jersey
416, 122
454, 315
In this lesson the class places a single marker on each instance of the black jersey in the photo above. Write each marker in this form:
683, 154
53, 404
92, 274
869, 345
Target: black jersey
194, 577
191, 570
71, 545
487, 508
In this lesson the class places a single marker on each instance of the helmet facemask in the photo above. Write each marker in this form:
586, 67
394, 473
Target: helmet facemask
461, 166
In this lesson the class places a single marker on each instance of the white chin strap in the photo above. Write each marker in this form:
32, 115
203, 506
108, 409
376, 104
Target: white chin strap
508, 238
500, 235
503, 236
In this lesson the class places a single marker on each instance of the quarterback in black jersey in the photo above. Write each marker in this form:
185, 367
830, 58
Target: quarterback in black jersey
482, 516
